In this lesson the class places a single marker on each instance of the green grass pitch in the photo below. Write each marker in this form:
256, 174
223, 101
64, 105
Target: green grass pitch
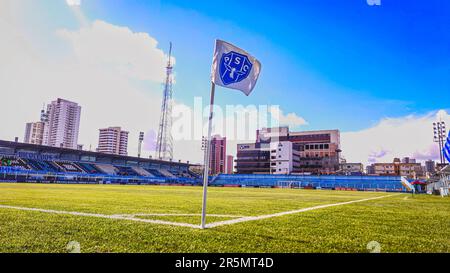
399, 223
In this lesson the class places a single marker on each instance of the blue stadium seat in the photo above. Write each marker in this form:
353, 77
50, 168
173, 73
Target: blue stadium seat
384, 183
90, 168
155, 172
126, 171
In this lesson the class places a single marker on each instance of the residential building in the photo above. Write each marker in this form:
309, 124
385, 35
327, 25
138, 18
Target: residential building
370, 170
62, 124
113, 140
217, 159
411, 170
408, 160
398, 168
230, 164
351, 168
430, 166
34, 133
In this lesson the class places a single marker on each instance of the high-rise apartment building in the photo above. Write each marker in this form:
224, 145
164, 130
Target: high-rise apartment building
217, 160
230, 164
113, 140
58, 127
430, 166
34, 133
62, 124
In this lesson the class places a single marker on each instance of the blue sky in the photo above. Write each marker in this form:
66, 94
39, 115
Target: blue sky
338, 64
380, 74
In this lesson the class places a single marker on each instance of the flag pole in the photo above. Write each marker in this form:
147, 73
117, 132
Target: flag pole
207, 155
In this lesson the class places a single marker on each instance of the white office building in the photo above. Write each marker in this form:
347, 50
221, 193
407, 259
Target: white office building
283, 157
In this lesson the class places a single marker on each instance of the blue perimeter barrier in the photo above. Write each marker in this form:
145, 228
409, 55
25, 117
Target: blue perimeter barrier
363, 183
336, 182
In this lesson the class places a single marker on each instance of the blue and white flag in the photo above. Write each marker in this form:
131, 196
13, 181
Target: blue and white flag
234, 68
446, 149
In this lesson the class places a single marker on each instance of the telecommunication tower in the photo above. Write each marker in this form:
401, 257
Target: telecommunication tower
164, 142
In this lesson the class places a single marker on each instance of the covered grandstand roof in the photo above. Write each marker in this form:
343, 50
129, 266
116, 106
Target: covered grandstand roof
49, 149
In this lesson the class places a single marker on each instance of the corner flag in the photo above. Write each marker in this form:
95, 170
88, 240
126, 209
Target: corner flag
446, 149
234, 68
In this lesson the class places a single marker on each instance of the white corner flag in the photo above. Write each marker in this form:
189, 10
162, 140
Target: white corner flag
234, 68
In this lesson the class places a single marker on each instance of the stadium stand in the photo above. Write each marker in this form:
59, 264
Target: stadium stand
16, 163
166, 173
126, 171
155, 172
68, 167
41, 164
362, 183
108, 169
22, 162
141, 171
90, 168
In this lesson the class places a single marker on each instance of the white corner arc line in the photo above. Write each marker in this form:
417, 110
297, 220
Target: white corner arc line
261, 217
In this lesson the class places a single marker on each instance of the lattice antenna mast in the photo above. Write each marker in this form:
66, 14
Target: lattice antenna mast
164, 143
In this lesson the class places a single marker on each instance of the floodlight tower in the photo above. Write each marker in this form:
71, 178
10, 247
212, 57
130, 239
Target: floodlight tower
164, 142
141, 139
440, 134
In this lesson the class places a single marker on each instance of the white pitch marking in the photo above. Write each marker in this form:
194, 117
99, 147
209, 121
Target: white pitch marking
216, 224
261, 217
117, 217
178, 214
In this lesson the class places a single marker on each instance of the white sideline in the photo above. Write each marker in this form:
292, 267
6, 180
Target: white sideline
178, 214
131, 217
118, 217
261, 217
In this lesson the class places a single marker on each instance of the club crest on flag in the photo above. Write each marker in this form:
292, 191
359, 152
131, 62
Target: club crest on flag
234, 67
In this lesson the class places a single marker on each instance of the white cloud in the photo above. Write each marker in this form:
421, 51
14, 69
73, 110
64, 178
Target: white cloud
75, 6
73, 2
115, 75
291, 119
112, 72
410, 136
109, 47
